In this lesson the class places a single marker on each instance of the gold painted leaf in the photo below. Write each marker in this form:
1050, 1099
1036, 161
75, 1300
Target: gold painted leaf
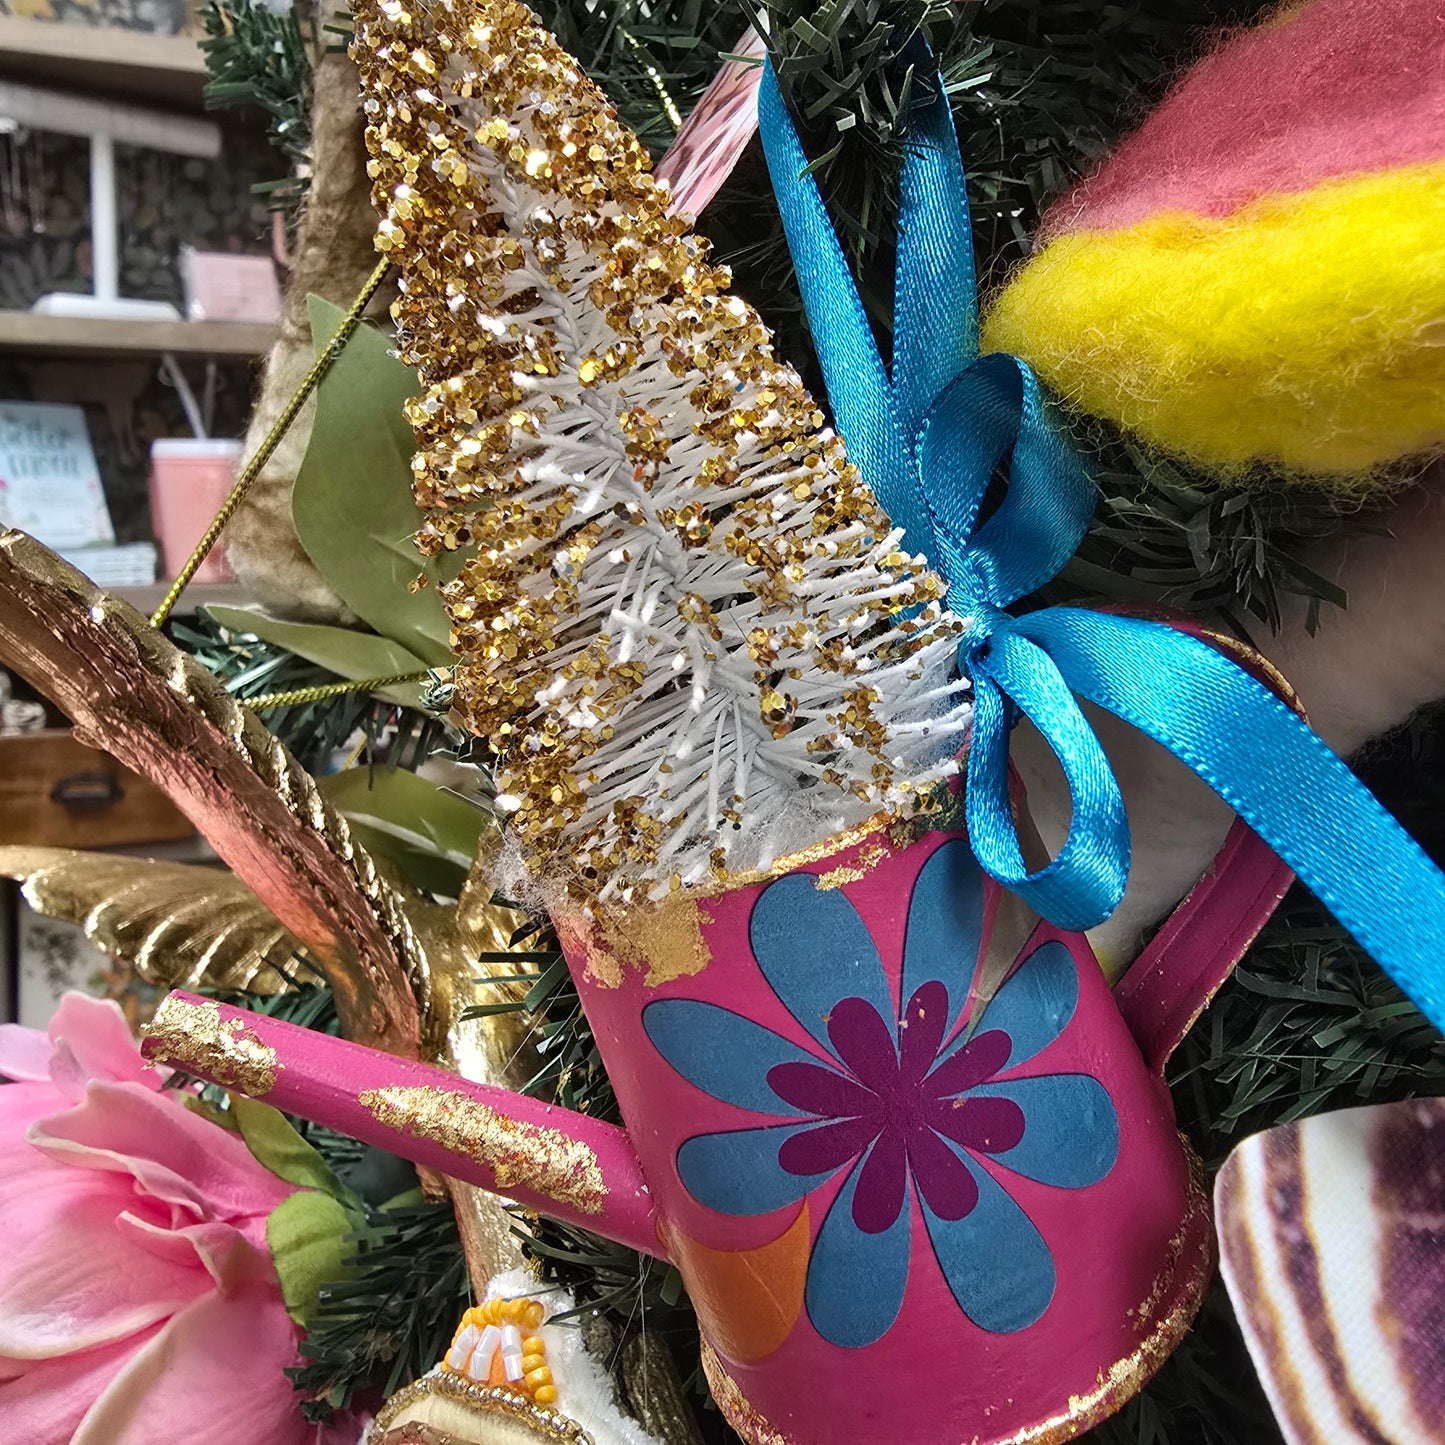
128, 690
463, 942
178, 925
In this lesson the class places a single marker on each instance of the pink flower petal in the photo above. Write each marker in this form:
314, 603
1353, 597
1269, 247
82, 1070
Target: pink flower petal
43, 1401
93, 1041
212, 1376
173, 1154
69, 1279
24, 1054
20, 1106
232, 1257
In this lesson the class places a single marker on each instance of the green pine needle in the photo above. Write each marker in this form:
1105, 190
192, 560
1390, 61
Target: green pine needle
313, 731
391, 1316
256, 55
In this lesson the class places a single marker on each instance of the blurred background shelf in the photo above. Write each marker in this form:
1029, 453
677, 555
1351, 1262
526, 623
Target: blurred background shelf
166, 70
68, 335
146, 598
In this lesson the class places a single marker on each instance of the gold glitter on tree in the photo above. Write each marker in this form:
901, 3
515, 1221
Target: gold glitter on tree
686, 629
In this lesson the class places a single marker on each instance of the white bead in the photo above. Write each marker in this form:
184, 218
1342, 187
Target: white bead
481, 1365
512, 1353
463, 1346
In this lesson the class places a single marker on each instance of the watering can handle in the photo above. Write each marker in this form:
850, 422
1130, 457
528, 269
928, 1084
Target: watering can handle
581, 1171
1171, 983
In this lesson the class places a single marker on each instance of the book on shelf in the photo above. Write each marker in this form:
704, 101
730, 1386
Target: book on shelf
131, 564
49, 482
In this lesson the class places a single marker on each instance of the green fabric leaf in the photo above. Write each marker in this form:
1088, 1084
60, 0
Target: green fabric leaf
307, 1236
221, 1118
349, 654
430, 834
352, 502
277, 1145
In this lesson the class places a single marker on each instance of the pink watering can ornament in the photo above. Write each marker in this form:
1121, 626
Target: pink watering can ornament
899, 1216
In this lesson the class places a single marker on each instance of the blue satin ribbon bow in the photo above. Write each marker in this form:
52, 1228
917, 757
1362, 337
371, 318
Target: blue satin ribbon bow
927, 440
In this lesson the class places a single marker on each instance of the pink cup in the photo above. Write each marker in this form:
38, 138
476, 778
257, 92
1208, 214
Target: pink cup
189, 480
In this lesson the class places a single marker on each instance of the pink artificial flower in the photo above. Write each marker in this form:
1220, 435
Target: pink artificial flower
138, 1301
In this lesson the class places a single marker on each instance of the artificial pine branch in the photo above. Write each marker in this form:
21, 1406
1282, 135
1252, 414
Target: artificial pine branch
1167, 534
313, 731
653, 58
390, 1316
257, 56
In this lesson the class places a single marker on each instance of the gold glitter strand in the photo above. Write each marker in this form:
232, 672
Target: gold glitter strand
330, 689
262, 455
669, 106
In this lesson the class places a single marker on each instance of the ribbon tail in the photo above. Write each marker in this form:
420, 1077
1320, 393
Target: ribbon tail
1276, 773
935, 303
859, 387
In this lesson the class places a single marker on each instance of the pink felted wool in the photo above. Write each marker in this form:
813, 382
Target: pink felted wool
1324, 89
1257, 276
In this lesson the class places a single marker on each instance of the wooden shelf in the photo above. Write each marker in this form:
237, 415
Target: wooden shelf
166, 70
148, 597
84, 336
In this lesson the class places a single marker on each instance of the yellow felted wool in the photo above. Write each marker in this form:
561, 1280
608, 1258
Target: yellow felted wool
1303, 329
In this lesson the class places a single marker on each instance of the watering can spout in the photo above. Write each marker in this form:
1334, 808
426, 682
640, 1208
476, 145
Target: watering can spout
578, 1170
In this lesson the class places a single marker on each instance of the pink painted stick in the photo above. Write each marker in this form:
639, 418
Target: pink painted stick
561, 1163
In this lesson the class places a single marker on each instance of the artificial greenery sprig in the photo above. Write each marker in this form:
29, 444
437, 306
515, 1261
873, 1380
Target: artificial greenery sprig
257, 56
313, 731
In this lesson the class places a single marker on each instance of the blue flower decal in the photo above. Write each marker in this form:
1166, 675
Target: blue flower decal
900, 1103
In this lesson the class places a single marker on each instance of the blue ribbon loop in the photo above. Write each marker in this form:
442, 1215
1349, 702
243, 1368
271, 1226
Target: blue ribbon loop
928, 439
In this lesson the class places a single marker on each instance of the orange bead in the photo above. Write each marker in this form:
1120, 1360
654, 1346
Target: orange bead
546, 1395
536, 1379
534, 1345
534, 1315
532, 1362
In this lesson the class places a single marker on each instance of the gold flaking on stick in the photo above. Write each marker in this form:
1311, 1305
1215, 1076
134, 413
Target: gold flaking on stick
194, 1037
520, 1155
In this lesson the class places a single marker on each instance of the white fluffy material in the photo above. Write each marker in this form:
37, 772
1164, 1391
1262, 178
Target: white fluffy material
584, 1388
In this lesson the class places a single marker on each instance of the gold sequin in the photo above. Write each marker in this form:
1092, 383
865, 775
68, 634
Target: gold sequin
520, 1155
